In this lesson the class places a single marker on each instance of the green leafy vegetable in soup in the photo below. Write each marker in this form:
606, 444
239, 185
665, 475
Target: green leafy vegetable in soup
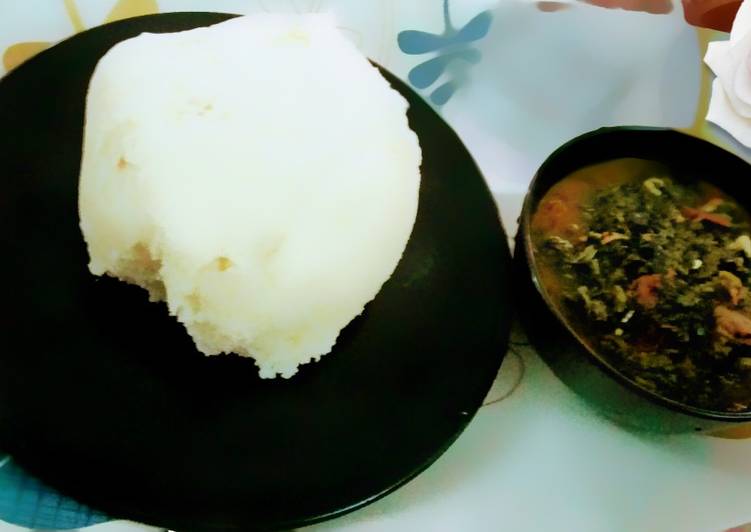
657, 274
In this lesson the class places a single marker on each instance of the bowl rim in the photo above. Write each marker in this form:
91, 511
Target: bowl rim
598, 360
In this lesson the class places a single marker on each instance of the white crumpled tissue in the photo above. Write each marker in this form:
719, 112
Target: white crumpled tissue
730, 106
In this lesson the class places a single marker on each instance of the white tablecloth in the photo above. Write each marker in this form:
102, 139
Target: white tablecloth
539, 459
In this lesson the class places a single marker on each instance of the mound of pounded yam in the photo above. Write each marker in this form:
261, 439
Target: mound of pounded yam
258, 175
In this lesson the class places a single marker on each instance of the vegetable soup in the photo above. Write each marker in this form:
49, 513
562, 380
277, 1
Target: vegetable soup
653, 273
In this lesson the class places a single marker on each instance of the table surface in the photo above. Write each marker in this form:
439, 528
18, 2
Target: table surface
535, 457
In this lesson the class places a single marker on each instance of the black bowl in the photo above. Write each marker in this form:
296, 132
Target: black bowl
575, 363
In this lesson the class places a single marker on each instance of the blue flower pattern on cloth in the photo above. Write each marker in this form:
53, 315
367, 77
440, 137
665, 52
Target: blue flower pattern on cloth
24, 501
454, 53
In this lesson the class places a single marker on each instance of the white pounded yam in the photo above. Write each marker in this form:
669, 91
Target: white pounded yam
259, 175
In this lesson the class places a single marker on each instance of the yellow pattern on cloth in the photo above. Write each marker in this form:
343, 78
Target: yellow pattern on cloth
20, 52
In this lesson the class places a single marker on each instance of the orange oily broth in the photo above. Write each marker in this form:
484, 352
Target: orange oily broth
559, 212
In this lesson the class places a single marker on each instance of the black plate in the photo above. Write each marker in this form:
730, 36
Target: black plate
104, 396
